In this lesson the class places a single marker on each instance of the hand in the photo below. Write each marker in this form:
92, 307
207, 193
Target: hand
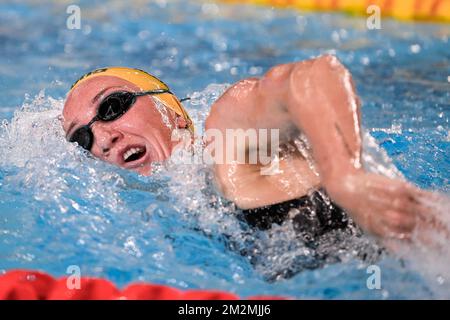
383, 207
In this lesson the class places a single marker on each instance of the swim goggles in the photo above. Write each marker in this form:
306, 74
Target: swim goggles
111, 108
118, 103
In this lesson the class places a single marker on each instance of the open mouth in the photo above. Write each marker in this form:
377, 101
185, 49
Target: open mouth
134, 154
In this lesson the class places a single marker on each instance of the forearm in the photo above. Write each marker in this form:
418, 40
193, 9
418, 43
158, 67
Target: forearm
324, 106
317, 97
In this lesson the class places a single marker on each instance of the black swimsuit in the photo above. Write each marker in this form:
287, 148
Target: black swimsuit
322, 226
312, 215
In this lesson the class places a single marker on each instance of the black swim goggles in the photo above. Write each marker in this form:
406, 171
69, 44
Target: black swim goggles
111, 108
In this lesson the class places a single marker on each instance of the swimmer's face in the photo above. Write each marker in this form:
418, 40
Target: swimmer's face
141, 127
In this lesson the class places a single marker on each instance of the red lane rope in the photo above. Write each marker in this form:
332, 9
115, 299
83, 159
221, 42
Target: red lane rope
36, 285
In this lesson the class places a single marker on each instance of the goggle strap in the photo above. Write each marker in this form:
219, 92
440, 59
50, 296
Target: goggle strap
151, 92
96, 118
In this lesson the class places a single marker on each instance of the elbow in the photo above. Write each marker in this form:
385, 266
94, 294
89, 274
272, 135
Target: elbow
329, 61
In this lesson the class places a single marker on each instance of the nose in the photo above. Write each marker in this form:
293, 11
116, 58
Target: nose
105, 137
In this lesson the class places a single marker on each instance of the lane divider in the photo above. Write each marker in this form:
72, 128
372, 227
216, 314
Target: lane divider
36, 285
424, 10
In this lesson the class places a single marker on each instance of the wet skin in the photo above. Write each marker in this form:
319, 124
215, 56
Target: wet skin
141, 127
315, 97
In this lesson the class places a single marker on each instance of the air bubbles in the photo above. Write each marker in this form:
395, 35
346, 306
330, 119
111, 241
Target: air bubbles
365, 60
343, 33
159, 256
221, 66
131, 247
86, 29
391, 52
335, 37
255, 71
173, 51
144, 34
415, 48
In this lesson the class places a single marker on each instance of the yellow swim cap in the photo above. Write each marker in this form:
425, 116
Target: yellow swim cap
145, 82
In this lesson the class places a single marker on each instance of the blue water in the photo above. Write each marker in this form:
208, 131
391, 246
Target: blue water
60, 208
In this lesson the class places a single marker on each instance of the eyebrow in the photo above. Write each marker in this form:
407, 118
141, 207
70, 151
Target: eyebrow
94, 100
102, 92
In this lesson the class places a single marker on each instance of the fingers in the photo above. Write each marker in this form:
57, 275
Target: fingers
408, 201
387, 231
395, 195
416, 216
392, 215
387, 223
393, 208
429, 214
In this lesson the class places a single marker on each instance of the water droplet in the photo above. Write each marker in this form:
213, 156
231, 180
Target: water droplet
415, 48
391, 52
365, 60
86, 29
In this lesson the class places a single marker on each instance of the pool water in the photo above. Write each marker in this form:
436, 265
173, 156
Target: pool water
59, 207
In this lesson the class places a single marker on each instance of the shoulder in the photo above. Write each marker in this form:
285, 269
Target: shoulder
229, 107
242, 89
247, 96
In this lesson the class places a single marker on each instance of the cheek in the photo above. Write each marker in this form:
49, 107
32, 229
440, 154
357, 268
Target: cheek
95, 151
143, 118
136, 120
134, 125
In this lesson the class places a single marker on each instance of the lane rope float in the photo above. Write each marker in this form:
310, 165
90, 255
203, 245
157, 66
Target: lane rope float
422, 10
36, 285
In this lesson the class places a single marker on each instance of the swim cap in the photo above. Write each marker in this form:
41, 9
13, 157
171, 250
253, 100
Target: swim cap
145, 82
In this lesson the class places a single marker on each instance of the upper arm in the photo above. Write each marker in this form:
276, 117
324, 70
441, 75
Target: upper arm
309, 96
233, 108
